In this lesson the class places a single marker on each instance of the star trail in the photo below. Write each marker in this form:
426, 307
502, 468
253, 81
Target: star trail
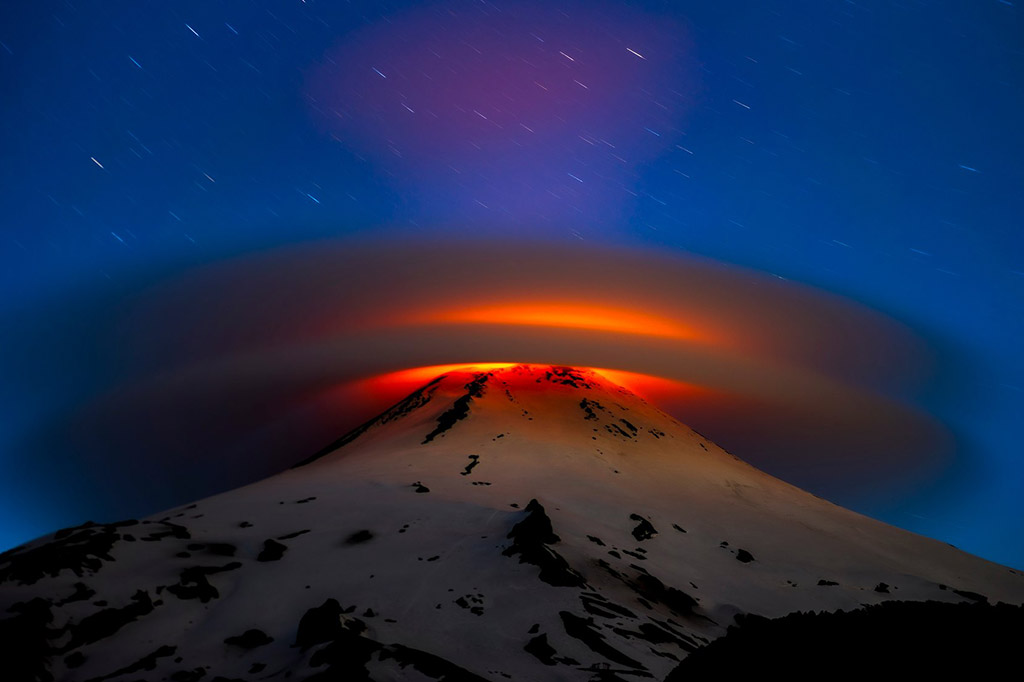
229, 229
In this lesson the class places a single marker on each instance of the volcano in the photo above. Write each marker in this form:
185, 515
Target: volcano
526, 523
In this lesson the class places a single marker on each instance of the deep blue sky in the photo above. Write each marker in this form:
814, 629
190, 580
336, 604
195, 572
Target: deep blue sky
871, 149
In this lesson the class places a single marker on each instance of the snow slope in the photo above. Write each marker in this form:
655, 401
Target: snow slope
528, 523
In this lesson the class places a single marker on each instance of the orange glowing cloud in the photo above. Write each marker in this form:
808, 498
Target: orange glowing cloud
292, 347
570, 316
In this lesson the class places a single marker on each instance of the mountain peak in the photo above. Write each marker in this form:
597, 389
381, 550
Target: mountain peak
526, 378
545, 401
522, 375
524, 522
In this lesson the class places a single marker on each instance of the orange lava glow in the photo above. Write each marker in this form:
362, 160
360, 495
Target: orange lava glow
654, 388
393, 386
572, 316
381, 390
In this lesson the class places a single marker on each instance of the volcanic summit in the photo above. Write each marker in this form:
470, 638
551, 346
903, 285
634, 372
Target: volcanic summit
527, 523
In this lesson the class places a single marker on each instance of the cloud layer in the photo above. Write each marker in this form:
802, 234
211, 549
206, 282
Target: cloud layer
229, 372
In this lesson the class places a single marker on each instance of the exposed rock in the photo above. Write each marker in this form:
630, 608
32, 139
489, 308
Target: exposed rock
530, 540
644, 530
585, 631
359, 537
539, 648
272, 551
192, 583
81, 549
460, 408
891, 636
250, 639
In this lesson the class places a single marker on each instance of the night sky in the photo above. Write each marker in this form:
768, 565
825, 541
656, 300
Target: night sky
229, 228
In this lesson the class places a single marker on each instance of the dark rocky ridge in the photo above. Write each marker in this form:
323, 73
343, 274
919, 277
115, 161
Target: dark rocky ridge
927, 640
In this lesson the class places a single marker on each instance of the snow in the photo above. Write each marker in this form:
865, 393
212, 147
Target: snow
432, 567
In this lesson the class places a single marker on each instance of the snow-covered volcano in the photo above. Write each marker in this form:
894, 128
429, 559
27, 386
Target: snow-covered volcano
528, 523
